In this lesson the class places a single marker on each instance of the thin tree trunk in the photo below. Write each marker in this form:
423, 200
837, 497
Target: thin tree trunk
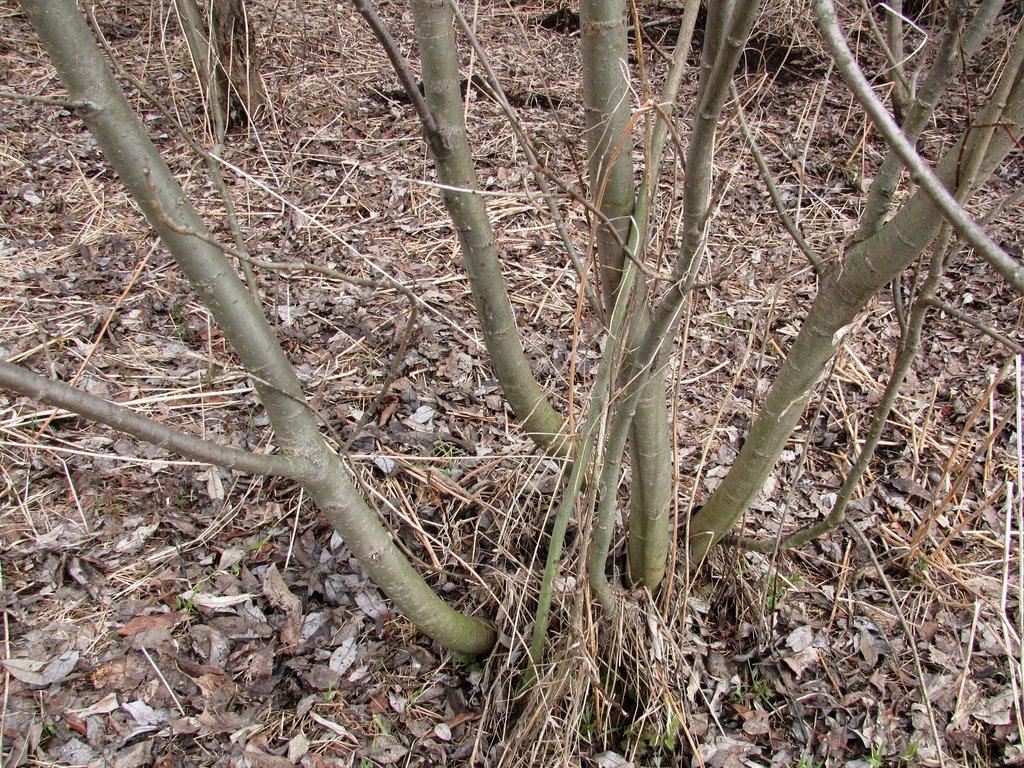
606, 101
865, 268
205, 59
450, 148
652, 489
609, 150
124, 142
238, 68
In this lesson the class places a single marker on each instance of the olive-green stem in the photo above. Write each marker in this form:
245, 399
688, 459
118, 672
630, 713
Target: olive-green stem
910, 342
582, 461
60, 395
651, 489
712, 93
956, 47
123, 140
606, 101
865, 268
450, 147
651, 337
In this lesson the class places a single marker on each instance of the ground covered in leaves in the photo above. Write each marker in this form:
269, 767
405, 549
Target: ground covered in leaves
157, 612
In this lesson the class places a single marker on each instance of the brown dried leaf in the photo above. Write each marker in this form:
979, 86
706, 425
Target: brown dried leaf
150, 622
387, 752
263, 760
39, 672
278, 594
298, 746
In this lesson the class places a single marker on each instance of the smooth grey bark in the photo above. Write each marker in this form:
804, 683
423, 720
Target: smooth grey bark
223, 54
864, 269
726, 35
238, 66
729, 26
497, 92
607, 108
606, 100
647, 351
652, 488
450, 147
127, 147
204, 59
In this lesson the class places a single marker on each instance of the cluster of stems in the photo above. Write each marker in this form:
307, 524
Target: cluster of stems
628, 407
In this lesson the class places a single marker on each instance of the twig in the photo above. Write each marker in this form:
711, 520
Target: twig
399, 64
52, 101
988, 330
159, 674
955, 48
773, 190
911, 640
904, 89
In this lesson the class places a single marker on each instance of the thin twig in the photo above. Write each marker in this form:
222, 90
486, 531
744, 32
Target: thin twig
773, 190
52, 101
900, 82
988, 330
159, 674
60, 395
911, 640
399, 64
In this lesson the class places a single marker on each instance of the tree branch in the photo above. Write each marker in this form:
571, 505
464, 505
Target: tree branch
961, 221
60, 395
773, 190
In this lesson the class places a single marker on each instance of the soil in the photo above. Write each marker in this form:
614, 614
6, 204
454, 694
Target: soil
160, 612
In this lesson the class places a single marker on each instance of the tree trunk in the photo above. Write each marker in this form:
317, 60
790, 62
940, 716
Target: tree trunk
124, 142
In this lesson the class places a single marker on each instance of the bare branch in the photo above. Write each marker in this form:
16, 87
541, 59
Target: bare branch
52, 101
962, 222
773, 190
497, 92
60, 395
399, 64
988, 330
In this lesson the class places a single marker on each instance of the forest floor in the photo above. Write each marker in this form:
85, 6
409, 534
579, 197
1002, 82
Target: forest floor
160, 612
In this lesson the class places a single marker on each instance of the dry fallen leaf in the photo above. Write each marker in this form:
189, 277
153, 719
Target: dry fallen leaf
344, 656
210, 602
278, 594
39, 672
151, 621
298, 746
